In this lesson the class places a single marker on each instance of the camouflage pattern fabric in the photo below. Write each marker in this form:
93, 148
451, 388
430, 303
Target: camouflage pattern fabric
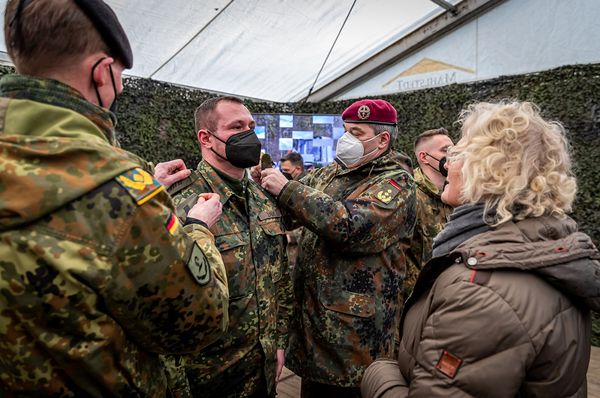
357, 224
293, 237
251, 239
432, 215
96, 277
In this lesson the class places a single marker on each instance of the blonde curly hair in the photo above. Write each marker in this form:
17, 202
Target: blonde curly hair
515, 162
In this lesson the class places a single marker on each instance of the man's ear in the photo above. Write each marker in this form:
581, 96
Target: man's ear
203, 138
385, 140
298, 171
422, 157
101, 74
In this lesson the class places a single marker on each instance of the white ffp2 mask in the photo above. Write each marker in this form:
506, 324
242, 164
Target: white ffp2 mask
350, 150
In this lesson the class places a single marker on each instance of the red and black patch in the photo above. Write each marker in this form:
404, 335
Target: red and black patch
395, 184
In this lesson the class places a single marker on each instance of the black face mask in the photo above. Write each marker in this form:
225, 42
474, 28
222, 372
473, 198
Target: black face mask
242, 150
286, 175
441, 163
113, 106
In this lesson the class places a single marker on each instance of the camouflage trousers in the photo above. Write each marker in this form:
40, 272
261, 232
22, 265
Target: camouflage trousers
246, 379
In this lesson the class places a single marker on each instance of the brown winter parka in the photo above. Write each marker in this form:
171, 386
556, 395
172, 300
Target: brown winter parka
505, 314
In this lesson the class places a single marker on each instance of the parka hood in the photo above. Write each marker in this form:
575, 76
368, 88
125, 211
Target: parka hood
550, 247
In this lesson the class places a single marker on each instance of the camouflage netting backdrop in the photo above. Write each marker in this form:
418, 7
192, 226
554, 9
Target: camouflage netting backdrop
156, 121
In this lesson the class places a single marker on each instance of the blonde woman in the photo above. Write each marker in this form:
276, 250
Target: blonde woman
503, 308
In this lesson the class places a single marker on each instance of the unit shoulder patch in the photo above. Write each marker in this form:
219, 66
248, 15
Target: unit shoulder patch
198, 265
140, 185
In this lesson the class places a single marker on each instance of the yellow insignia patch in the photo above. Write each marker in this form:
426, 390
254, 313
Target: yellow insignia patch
385, 195
140, 185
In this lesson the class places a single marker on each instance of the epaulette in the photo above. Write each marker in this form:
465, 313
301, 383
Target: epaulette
139, 184
182, 184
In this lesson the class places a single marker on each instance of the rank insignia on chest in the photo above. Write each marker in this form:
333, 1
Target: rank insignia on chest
385, 195
140, 185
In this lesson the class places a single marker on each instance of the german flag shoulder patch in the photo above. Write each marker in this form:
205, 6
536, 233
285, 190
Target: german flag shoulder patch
139, 184
172, 224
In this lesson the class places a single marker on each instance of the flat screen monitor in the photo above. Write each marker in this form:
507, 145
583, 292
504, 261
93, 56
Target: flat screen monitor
312, 136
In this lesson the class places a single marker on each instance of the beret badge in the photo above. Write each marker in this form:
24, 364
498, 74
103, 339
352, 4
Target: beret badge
364, 112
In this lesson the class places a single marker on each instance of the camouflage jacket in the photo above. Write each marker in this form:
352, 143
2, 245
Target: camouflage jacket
97, 276
251, 239
357, 224
432, 215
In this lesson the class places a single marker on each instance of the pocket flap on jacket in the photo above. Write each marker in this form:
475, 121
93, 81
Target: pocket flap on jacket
229, 241
265, 215
272, 226
350, 303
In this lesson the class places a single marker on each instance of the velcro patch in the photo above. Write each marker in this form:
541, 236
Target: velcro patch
388, 192
448, 364
140, 185
198, 265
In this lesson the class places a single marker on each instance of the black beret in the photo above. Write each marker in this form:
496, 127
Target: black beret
106, 22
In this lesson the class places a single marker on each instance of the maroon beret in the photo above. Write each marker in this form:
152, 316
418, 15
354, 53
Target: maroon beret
371, 111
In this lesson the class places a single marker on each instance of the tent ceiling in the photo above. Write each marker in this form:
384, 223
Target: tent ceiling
265, 49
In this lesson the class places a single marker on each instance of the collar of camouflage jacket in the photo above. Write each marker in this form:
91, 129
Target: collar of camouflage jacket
53, 92
426, 184
391, 160
217, 184
51, 156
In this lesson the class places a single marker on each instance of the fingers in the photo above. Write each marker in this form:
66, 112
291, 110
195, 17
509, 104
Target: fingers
168, 173
205, 210
176, 164
273, 181
255, 173
209, 196
180, 175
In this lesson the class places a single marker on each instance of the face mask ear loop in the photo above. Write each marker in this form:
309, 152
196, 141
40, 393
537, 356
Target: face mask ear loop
214, 135
94, 82
113, 106
440, 165
215, 152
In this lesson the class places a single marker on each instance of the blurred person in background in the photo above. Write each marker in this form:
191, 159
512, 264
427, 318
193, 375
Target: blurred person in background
292, 166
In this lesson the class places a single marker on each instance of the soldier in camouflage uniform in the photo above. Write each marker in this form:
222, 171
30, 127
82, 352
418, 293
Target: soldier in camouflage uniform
358, 215
97, 275
251, 238
431, 147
